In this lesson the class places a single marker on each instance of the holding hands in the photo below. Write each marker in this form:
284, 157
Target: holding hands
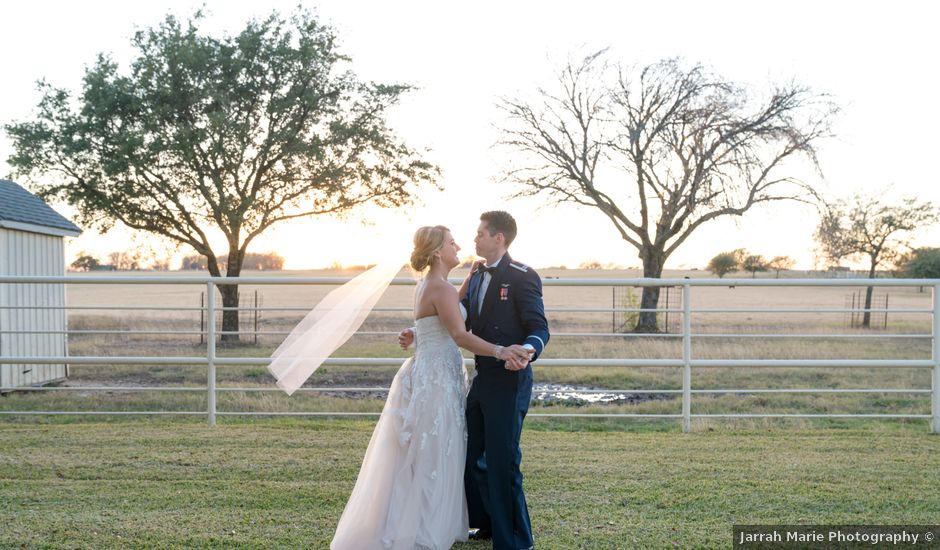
515, 356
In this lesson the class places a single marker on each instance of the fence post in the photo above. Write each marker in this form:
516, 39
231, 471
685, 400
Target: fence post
210, 349
687, 358
613, 314
935, 379
668, 307
852, 314
202, 318
886, 310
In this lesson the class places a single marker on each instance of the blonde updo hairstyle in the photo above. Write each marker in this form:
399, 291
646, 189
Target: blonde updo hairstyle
428, 240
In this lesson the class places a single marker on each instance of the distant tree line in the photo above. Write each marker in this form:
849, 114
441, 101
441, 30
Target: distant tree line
134, 260
261, 261
742, 260
120, 260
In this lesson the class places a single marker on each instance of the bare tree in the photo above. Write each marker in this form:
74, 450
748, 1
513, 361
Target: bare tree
866, 227
661, 150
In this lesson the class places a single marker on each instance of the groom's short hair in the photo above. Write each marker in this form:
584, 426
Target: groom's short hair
499, 221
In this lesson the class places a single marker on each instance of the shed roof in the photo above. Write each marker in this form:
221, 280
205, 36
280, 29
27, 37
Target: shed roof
22, 210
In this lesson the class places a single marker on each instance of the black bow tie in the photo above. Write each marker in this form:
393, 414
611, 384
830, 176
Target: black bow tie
488, 269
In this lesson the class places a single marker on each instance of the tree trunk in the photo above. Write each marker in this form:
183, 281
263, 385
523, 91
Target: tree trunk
230, 297
652, 268
229, 316
866, 318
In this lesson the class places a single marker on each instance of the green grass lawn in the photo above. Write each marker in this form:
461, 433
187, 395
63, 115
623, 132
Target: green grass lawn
282, 483
159, 482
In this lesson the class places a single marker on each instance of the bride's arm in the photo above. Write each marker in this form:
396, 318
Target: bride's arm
465, 287
445, 302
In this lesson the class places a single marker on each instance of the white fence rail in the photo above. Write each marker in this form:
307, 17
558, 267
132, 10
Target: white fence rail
686, 362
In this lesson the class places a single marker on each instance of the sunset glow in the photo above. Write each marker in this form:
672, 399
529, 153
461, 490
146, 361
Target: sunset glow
874, 58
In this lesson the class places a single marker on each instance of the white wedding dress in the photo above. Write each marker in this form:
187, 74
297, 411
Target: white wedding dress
410, 490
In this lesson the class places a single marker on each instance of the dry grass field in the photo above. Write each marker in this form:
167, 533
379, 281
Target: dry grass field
751, 339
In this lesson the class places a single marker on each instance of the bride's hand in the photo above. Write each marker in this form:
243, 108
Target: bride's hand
406, 338
477, 264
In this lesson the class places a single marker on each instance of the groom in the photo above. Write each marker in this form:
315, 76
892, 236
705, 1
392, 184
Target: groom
504, 306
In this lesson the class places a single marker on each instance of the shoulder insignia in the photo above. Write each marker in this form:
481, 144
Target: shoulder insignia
521, 267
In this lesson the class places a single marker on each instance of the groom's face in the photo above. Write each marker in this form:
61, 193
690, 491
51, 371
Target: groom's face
486, 243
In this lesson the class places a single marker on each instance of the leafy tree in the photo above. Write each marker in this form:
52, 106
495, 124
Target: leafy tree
754, 263
723, 263
662, 150
781, 263
219, 136
865, 227
920, 263
86, 262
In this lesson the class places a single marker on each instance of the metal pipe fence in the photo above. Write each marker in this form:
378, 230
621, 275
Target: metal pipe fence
687, 363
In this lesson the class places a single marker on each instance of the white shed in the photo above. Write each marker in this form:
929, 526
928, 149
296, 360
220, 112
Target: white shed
31, 243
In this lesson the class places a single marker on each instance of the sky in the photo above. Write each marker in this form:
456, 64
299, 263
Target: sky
874, 58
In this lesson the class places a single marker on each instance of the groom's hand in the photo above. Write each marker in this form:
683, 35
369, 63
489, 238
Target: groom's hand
518, 357
406, 338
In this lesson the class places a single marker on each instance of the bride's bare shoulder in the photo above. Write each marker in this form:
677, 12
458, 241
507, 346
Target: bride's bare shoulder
439, 287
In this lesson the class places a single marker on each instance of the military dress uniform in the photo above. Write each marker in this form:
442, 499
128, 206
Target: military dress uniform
504, 306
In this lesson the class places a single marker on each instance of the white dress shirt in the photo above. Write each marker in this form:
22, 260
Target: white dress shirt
485, 284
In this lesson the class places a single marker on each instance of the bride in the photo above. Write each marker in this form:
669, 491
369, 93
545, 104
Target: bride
410, 490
